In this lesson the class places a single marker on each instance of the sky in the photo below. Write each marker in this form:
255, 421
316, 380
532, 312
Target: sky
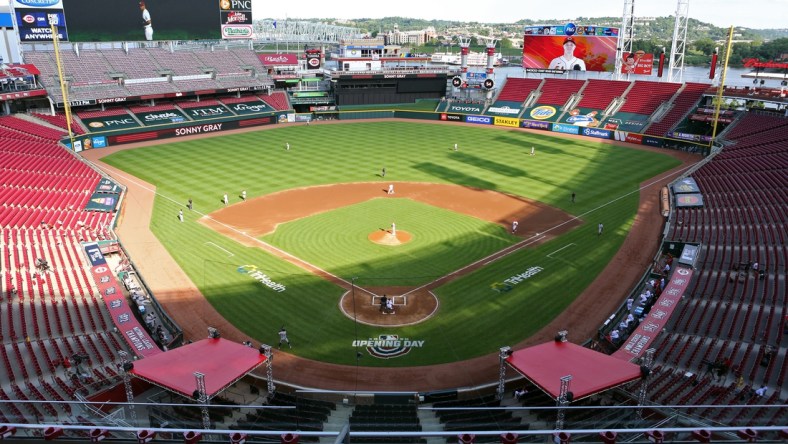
722, 13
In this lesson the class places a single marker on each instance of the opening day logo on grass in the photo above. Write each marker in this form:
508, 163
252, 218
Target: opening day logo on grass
261, 277
388, 346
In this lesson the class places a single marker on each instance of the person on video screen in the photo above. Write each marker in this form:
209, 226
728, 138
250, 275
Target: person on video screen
568, 61
146, 22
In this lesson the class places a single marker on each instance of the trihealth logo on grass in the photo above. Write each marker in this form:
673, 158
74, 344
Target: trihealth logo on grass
388, 346
261, 277
511, 281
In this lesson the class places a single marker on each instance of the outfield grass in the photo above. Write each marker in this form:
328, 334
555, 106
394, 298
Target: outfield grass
472, 319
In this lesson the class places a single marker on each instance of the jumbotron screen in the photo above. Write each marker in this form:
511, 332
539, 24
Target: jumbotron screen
554, 49
133, 20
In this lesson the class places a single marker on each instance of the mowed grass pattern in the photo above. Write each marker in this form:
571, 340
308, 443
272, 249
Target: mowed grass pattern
443, 241
355, 152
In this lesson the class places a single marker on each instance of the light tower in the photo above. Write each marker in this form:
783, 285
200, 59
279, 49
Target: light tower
626, 36
676, 65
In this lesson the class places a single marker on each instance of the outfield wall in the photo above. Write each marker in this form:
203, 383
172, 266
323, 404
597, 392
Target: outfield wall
121, 136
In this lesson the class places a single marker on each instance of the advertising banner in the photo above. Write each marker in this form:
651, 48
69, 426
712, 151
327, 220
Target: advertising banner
507, 121
89, 142
566, 129
687, 136
108, 186
110, 122
637, 62
312, 61
542, 112
481, 120
630, 122
510, 109
583, 117
451, 117
159, 117
686, 185
689, 200
653, 141
207, 112
689, 254
570, 48
101, 202
189, 130
624, 136
278, 59
465, 108
115, 21
596, 132
535, 125
254, 107
34, 24
645, 333
122, 316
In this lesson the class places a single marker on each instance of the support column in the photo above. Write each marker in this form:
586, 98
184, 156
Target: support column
645, 369
505, 352
126, 366
269, 368
564, 398
202, 397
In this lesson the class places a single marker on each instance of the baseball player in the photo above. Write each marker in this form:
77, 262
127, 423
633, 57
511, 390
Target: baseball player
243, 195
225, 199
180, 215
287, 146
514, 226
146, 22
283, 338
568, 61
391, 188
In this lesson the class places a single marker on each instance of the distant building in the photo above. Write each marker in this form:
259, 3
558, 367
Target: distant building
413, 38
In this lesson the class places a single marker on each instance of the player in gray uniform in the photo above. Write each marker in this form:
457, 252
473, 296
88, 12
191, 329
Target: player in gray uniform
283, 338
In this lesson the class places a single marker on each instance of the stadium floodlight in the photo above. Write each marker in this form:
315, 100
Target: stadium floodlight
213, 333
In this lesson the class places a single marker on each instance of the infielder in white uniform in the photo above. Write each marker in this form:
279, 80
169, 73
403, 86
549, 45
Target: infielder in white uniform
146, 22
568, 61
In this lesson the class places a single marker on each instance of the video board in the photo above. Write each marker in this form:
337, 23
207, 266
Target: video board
35, 18
133, 20
560, 48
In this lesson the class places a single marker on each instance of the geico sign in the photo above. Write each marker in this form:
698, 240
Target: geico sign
478, 119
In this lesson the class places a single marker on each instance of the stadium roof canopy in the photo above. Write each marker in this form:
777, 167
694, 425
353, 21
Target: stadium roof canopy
222, 362
592, 372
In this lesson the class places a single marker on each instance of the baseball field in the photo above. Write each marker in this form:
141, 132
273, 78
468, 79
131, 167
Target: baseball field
300, 251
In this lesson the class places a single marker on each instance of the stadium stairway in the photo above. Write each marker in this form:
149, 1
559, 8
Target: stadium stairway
336, 421
36, 121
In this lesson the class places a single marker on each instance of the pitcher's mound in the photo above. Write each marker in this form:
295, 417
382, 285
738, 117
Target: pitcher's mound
384, 237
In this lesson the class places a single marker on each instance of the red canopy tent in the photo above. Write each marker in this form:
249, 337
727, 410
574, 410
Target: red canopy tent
222, 362
592, 372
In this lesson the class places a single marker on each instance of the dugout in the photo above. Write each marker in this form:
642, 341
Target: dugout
375, 89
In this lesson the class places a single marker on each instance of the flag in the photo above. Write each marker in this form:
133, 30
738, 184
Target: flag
274, 24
